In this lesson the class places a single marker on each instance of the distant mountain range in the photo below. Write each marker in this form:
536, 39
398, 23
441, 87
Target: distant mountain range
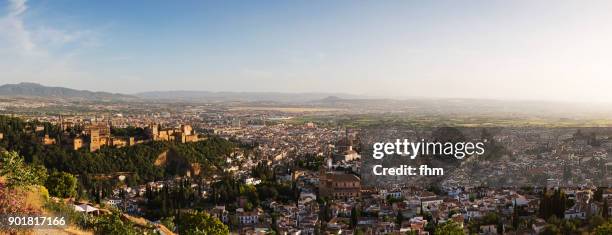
26, 89
208, 96
332, 100
35, 90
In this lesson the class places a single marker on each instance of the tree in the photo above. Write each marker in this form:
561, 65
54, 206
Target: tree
606, 212
596, 221
275, 222
515, 217
568, 227
61, 184
449, 228
168, 222
399, 218
551, 229
326, 212
553, 204
598, 195
18, 173
604, 229
430, 227
201, 223
355, 214
112, 224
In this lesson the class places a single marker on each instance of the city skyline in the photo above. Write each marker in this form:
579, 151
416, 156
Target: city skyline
305, 117
546, 50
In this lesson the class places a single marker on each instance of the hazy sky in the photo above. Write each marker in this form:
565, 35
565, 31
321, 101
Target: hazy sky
560, 50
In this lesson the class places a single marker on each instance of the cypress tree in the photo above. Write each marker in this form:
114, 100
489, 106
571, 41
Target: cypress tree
605, 213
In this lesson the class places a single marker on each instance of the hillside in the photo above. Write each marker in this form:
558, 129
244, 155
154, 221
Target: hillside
26, 89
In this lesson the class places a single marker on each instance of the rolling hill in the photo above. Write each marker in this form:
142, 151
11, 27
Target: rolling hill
26, 89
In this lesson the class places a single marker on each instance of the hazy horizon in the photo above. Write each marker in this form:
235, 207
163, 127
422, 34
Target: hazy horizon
194, 94
518, 50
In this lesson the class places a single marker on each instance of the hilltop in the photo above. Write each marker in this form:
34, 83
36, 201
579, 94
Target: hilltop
27, 89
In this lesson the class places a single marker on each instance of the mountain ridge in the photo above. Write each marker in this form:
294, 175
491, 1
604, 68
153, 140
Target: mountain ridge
30, 89
36, 90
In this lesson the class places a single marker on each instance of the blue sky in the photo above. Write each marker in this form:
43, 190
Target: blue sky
549, 50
